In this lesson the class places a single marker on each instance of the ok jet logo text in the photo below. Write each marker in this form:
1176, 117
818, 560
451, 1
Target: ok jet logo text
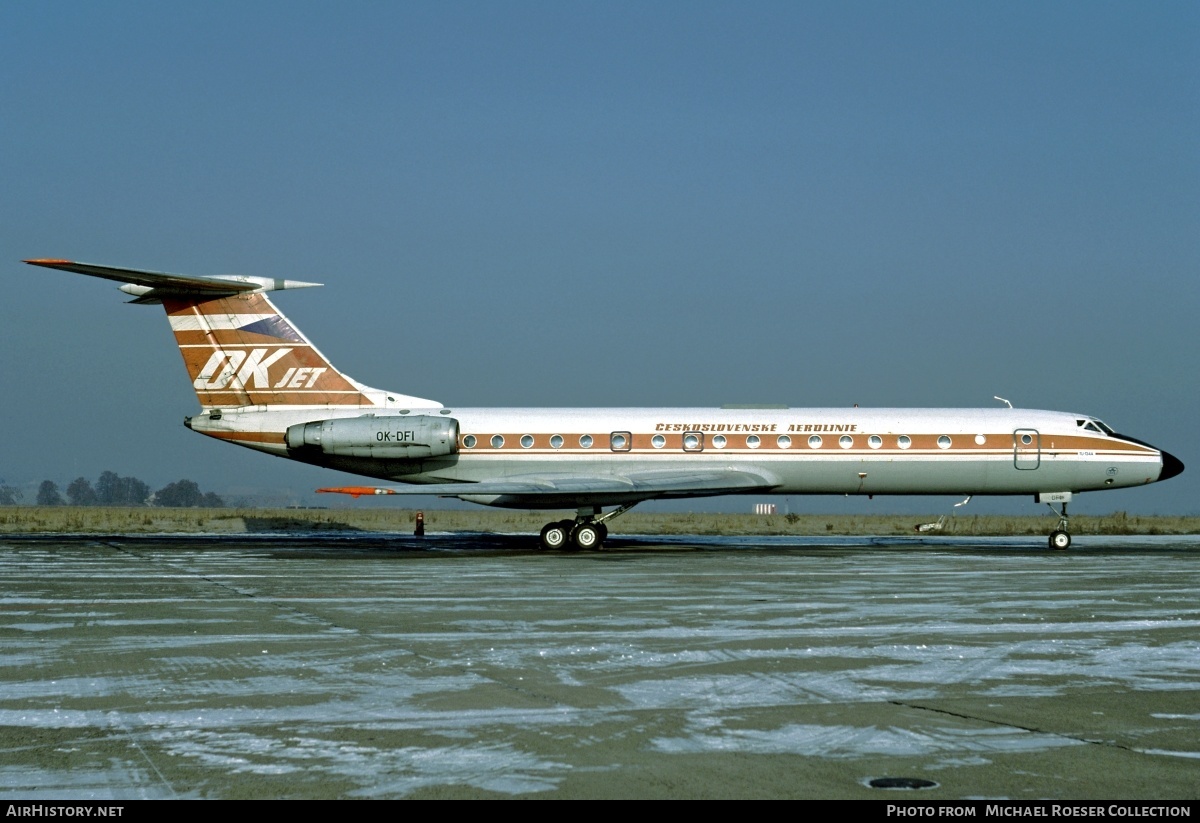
250, 370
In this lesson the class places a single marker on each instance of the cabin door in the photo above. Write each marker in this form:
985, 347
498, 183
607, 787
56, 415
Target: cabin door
1027, 449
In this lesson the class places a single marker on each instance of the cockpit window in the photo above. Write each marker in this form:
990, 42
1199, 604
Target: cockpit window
1105, 428
1094, 426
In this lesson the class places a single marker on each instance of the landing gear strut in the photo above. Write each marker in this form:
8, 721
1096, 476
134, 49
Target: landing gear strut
1060, 539
586, 533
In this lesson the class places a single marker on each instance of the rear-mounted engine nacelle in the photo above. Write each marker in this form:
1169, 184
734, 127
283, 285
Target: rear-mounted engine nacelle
392, 437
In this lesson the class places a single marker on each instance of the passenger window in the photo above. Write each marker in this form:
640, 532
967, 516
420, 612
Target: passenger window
620, 441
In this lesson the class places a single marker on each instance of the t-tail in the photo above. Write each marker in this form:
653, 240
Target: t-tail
240, 351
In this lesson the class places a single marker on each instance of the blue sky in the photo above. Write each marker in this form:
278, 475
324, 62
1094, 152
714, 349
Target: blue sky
569, 203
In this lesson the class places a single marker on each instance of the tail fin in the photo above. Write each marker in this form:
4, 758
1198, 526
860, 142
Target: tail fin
240, 351
238, 348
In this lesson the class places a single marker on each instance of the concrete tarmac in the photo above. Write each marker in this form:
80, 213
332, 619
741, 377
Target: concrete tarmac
470, 666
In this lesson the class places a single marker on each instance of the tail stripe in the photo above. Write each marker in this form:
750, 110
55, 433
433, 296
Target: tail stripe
267, 325
197, 322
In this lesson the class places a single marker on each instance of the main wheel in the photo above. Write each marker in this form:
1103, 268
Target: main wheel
555, 535
1060, 540
586, 536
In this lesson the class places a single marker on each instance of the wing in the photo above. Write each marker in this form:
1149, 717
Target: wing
576, 490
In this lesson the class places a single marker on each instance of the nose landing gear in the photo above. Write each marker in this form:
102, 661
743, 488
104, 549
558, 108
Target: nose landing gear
1060, 539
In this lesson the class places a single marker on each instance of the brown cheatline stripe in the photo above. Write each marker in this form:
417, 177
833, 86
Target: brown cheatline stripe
250, 437
997, 443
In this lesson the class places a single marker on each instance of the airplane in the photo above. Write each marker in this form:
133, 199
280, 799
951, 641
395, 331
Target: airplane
263, 385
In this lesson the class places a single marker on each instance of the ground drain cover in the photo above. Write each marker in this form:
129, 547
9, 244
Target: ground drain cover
901, 783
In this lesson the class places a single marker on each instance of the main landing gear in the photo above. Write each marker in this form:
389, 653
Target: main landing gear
1060, 539
585, 533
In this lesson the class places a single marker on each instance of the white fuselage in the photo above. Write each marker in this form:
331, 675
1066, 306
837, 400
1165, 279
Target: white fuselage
804, 451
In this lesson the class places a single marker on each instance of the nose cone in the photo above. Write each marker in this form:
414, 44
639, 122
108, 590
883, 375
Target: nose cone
1172, 466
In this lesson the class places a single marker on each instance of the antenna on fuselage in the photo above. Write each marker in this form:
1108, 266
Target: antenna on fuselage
1001, 399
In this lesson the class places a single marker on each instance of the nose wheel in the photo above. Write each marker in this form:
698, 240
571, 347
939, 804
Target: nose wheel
1060, 539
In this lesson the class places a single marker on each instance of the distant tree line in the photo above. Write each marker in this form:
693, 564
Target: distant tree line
113, 490
186, 494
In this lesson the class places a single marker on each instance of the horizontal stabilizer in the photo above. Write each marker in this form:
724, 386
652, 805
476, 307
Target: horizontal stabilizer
151, 286
238, 348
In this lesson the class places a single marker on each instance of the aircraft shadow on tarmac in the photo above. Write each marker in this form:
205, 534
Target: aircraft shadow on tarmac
349, 542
